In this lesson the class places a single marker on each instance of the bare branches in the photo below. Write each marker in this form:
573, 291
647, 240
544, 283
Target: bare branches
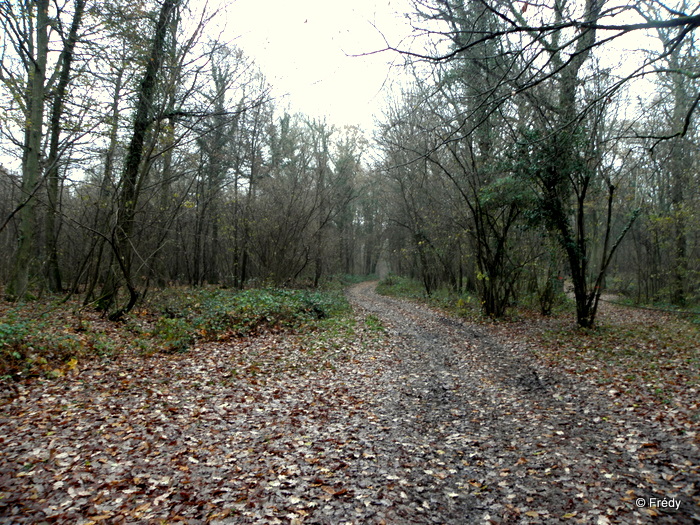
517, 109
680, 133
687, 23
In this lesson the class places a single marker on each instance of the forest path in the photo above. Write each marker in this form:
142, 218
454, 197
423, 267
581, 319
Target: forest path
528, 444
428, 421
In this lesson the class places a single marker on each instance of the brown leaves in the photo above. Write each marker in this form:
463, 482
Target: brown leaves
354, 427
646, 361
234, 429
333, 491
527, 426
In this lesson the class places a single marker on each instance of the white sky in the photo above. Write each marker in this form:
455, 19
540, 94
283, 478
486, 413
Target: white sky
302, 47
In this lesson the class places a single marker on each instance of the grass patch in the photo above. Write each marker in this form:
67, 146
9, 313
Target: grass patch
374, 324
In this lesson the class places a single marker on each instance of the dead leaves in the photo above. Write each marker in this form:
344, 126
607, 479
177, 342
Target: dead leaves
255, 429
361, 428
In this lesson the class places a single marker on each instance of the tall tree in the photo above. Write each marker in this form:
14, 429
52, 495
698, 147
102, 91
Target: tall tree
218, 157
320, 134
27, 23
64, 66
127, 199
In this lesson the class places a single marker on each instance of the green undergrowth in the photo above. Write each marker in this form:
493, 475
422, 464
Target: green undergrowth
47, 339
403, 287
461, 305
348, 279
210, 313
465, 305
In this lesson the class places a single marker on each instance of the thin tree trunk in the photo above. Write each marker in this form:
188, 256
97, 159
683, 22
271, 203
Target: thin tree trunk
680, 166
574, 243
53, 271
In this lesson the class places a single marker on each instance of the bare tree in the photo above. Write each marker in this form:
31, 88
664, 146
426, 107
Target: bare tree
129, 191
27, 26
64, 67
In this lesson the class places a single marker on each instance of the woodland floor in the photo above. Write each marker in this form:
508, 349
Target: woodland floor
433, 421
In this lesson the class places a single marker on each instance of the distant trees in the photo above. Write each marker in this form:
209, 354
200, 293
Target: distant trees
152, 154
677, 64
307, 190
521, 111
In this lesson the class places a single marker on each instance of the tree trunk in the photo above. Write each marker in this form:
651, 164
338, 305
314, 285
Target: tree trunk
53, 272
680, 166
574, 240
31, 158
121, 271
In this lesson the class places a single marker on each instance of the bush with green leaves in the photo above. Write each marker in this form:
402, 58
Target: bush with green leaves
13, 335
171, 322
174, 335
27, 343
463, 305
215, 313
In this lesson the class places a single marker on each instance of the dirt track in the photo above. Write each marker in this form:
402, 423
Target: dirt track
525, 443
433, 422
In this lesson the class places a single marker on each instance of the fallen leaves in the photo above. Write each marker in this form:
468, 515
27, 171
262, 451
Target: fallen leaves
179, 437
353, 426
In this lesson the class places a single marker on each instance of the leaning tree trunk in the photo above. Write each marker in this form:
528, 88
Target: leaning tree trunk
121, 271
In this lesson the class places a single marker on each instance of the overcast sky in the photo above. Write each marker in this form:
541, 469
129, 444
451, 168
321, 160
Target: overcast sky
302, 47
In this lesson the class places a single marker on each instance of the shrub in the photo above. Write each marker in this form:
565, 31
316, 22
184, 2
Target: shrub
175, 335
38, 343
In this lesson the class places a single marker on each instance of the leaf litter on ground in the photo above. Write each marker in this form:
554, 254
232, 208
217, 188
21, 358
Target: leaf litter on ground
428, 421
